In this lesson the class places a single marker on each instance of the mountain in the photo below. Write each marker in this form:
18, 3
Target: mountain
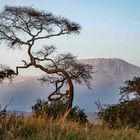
109, 75
115, 68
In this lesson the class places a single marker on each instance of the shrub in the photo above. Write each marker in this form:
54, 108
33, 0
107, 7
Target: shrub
125, 113
56, 109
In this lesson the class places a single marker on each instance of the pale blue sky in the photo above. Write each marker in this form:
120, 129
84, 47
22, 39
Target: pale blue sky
110, 28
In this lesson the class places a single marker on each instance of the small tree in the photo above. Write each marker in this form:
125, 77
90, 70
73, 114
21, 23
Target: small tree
132, 88
37, 25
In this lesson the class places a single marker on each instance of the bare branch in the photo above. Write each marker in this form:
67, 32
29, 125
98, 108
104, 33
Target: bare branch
8, 104
22, 67
3, 112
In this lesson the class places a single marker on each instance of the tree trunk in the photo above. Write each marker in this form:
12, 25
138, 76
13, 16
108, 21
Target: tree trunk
70, 95
70, 90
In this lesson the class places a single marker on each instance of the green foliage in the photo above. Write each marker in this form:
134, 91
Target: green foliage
77, 115
125, 113
56, 109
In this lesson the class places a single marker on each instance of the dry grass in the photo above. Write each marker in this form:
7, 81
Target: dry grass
14, 127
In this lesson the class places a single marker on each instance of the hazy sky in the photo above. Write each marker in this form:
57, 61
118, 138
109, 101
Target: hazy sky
110, 28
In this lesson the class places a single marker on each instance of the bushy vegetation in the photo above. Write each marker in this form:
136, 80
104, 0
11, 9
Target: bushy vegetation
127, 111
57, 109
123, 114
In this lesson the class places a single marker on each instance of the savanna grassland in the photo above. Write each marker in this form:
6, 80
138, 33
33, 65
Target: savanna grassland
14, 127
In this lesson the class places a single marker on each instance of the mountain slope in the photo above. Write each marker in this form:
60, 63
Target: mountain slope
115, 68
111, 72
109, 75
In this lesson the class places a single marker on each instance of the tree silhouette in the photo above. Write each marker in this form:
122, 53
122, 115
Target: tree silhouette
131, 87
6, 73
35, 25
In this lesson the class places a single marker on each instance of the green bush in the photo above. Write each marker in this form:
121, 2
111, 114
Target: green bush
77, 115
123, 114
56, 109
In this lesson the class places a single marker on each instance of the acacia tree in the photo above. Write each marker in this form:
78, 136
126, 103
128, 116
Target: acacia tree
35, 25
